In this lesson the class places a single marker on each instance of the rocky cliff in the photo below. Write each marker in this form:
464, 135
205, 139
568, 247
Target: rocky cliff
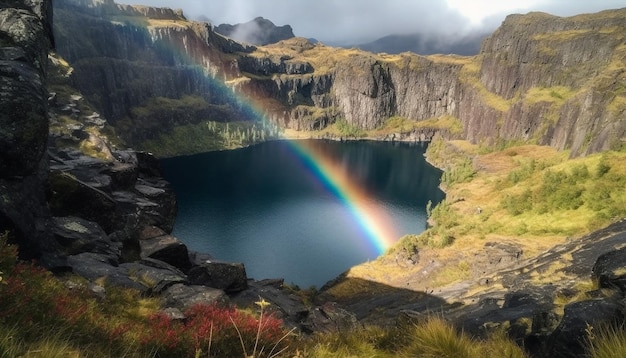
71, 198
538, 78
25, 38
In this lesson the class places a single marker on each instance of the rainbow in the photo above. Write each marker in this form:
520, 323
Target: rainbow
374, 223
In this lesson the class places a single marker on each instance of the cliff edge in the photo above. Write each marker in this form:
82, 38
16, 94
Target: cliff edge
538, 79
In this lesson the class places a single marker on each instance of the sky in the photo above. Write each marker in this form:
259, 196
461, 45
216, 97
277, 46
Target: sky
360, 21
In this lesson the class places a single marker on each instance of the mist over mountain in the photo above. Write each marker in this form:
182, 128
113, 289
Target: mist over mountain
261, 31
424, 44
258, 31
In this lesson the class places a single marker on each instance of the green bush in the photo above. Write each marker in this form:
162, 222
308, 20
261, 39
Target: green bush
348, 130
518, 204
462, 172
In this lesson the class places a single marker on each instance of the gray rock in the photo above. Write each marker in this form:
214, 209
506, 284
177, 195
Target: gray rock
155, 244
228, 276
157, 277
610, 270
99, 267
182, 296
76, 235
198, 258
26, 36
330, 317
72, 196
568, 339
283, 302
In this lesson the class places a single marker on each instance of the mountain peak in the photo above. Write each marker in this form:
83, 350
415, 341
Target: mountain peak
259, 31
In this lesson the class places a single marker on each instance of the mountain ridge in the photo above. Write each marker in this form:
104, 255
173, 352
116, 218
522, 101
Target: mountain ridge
71, 198
258, 31
496, 96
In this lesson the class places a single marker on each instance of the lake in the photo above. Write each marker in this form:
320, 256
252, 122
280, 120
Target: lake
305, 211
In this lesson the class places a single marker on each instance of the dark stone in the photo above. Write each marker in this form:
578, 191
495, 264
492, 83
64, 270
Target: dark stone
148, 164
25, 37
330, 317
610, 270
72, 197
198, 258
230, 277
23, 104
155, 275
123, 175
284, 304
76, 235
568, 339
100, 267
157, 245
182, 296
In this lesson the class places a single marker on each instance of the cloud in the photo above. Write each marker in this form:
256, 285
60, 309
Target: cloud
340, 21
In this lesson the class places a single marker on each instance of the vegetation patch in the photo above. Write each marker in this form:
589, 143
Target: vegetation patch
403, 125
532, 195
209, 136
41, 317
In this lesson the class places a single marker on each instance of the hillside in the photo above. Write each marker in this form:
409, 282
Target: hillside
538, 79
526, 251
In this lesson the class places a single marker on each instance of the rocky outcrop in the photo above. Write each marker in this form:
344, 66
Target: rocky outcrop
25, 38
538, 78
120, 65
259, 31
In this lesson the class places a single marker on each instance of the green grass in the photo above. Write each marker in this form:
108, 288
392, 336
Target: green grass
433, 337
398, 124
606, 342
532, 195
209, 136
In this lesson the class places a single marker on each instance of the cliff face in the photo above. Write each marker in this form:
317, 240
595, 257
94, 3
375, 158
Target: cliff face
124, 56
24, 41
538, 78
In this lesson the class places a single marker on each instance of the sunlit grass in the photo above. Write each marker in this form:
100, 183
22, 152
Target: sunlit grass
607, 342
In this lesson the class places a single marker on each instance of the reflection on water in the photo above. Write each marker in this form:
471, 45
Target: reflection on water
261, 206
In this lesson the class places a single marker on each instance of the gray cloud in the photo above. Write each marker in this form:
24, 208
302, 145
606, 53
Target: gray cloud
341, 21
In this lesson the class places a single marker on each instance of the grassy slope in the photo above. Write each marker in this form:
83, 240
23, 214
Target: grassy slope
531, 196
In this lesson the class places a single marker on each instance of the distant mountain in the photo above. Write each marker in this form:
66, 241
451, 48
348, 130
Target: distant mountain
467, 45
259, 31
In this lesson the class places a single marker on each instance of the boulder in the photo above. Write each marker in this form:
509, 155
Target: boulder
76, 235
330, 317
610, 270
156, 244
154, 274
283, 302
99, 267
198, 258
123, 175
73, 197
568, 339
181, 296
227, 276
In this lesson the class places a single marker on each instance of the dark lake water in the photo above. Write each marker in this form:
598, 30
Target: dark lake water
275, 210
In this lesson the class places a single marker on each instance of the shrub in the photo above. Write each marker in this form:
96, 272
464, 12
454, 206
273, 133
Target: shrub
59, 321
518, 204
436, 338
348, 130
607, 342
461, 173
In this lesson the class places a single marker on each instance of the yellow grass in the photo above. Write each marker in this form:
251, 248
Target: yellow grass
566, 35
